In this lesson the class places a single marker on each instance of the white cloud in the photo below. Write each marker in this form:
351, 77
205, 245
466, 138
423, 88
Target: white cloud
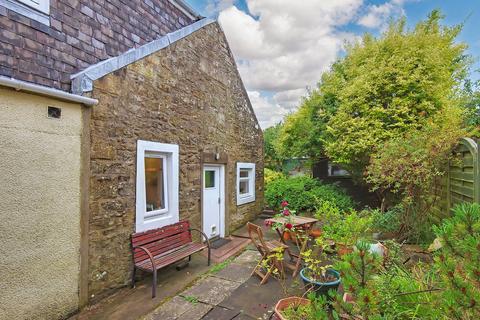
215, 6
377, 16
267, 110
289, 99
283, 46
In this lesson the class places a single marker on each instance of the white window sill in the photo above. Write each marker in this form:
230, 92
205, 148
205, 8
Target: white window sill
26, 11
245, 199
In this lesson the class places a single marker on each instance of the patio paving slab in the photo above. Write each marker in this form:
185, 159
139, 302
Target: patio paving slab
172, 309
211, 290
258, 301
235, 272
132, 304
197, 312
219, 313
248, 257
243, 316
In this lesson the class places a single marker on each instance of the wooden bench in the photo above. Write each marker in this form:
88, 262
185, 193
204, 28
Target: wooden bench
158, 248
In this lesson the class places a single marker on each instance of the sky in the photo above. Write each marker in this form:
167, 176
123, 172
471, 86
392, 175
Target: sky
282, 47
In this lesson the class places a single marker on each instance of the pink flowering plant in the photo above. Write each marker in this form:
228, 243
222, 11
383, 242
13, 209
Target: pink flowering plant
285, 213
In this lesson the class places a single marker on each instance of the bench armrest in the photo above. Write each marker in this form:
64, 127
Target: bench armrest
203, 234
150, 256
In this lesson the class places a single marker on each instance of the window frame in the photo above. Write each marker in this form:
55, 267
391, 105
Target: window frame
42, 5
158, 155
331, 171
146, 220
39, 12
250, 196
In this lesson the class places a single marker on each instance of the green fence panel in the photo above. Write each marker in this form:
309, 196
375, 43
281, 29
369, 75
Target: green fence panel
463, 174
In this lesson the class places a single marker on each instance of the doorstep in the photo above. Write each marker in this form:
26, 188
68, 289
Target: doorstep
228, 250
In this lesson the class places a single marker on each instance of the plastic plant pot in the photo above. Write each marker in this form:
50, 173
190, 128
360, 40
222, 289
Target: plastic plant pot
321, 288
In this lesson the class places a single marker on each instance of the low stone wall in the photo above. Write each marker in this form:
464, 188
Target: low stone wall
189, 94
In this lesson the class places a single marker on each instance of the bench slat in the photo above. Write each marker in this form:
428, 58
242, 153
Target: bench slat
142, 238
162, 246
169, 258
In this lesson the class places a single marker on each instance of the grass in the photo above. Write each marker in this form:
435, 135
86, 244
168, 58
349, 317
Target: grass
191, 299
220, 266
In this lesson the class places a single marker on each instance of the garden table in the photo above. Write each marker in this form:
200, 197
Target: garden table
299, 223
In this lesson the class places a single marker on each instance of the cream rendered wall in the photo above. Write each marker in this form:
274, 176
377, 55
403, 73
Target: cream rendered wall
39, 207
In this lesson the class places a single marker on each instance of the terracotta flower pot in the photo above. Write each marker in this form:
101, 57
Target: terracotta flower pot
343, 249
289, 302
315, 233
286, 235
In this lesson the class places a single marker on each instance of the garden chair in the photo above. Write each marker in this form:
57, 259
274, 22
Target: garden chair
267, 249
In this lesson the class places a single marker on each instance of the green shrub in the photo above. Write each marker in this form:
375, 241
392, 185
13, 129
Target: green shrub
358, 271
270, 175
389, 221
382, 292
408, 294
304, 194
458, 262
346, 228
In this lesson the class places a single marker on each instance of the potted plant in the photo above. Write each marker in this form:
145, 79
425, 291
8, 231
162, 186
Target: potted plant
285, 307
297, 308
316, 275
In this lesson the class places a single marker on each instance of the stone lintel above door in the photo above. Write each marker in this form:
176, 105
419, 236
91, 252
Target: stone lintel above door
211, 157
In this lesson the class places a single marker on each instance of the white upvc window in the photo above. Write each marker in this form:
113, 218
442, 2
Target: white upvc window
157, 185
37, 10
245, 182
40, 5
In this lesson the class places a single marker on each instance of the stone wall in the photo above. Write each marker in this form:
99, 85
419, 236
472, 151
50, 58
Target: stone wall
189, 94
40, 206
80, 34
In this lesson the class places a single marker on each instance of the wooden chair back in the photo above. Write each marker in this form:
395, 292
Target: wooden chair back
161, 240
256, 235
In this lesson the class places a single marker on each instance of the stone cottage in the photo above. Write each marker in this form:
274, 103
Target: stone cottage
116, 118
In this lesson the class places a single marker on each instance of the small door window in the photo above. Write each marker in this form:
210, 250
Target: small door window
209, 179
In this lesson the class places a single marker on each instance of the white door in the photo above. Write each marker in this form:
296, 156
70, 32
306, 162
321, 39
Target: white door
213, 201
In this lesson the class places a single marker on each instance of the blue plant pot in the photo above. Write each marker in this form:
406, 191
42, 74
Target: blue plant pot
321, 288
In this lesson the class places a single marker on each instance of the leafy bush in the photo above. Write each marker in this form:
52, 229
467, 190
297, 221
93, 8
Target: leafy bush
270, 175
381, 292
388, 221
345, 228
408, 294
458, 262
304, 194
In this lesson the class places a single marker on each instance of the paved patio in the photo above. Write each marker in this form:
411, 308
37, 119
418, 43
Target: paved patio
228, 294
196, 292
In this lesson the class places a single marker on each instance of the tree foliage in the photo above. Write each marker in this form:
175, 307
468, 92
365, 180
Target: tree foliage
303, 132
393, 84
273, 160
